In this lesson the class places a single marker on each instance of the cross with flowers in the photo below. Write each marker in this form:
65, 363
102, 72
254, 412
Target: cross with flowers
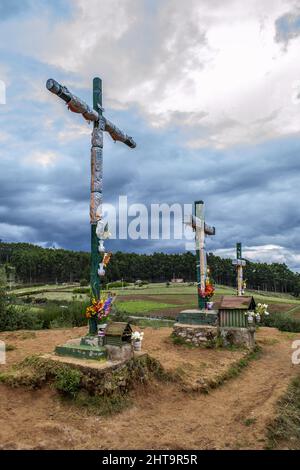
201, 229
99, 228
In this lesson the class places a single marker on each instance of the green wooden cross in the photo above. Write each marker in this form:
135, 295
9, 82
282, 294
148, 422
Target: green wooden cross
197, 222
99, 230
239, 262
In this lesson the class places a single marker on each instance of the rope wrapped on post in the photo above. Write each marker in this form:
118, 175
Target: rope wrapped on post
77, 105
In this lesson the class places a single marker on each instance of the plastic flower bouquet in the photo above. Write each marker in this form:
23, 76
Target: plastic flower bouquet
100, 309
137, 336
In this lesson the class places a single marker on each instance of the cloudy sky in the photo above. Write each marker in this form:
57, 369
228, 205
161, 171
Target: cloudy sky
210, 91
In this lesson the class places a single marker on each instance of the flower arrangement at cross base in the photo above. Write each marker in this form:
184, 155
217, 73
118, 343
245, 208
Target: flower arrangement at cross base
100, 309
136, 339
258, 314
207, 293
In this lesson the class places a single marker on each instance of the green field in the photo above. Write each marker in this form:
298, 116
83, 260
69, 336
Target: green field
157, 300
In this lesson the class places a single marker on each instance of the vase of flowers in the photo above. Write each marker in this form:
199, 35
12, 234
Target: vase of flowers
98, 313
261, 311
137, 338
207, 294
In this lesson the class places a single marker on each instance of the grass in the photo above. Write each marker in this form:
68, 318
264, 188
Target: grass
249, 421
284, 430
142, 306
233, 371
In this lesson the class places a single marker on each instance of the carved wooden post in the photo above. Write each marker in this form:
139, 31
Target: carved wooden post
98, 228
239, 262
201, 229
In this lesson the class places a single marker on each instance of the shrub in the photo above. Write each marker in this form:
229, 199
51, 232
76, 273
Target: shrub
19, 318
55, 316
81, 290
284, 322
118, 284
68, 381
84, 282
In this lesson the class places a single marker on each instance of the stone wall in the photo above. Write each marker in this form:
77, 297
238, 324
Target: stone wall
238, 336
201, 335
195, 334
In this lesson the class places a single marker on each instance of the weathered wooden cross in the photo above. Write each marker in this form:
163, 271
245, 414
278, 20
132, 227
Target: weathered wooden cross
197, 222
99, 230
239, 262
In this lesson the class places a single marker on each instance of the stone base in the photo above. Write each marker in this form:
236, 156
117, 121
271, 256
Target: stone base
89, 347
238, 336
198, 317
195, 334
83, 352
119, 353
205, 334
77, 348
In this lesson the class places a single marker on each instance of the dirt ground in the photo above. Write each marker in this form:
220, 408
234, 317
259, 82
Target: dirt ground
163, 416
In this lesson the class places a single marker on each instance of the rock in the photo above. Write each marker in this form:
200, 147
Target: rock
119, 353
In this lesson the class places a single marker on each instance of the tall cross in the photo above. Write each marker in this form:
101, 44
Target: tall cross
197, 222
99, 230
239, 262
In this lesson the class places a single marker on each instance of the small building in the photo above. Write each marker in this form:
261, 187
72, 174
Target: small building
118, 334
233, 311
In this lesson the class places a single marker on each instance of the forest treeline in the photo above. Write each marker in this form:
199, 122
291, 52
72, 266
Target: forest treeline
33, 264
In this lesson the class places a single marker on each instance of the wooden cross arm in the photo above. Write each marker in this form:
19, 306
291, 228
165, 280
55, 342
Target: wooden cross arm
195, 223
117, 134
239, 262
76, 105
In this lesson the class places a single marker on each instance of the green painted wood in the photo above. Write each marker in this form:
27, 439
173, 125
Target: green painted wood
95, 279
239, 251
198, 318
95, 258
81, 352
233, 318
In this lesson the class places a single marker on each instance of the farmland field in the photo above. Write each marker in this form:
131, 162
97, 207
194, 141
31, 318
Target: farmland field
159, 300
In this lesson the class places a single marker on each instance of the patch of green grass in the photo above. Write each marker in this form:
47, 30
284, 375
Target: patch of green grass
103, 405
284, 430
142, 306
155, 324
249, 421
234, 370
67, 381
10, 347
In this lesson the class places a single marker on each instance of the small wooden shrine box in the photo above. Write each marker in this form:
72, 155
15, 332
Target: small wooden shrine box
233, 311
118, 333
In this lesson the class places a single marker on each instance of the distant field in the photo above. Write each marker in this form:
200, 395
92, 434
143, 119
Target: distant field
160, 300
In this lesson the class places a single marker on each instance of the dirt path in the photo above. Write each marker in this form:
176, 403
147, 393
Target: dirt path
162, 417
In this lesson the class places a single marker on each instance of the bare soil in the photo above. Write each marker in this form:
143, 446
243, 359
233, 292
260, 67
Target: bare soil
162, 416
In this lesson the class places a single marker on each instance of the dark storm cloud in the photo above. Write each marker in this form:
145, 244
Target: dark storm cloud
251, 191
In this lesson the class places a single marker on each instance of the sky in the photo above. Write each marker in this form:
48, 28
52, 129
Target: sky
210, 91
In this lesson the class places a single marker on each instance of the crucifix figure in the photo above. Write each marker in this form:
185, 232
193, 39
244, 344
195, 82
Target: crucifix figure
99, 229
239, 262
201, 229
